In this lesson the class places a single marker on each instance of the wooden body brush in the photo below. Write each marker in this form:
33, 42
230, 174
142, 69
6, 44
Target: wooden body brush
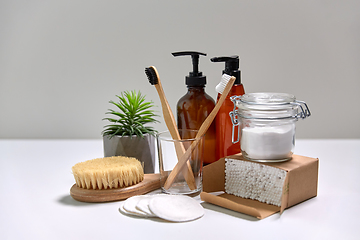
154, 79
225, 85
111, 179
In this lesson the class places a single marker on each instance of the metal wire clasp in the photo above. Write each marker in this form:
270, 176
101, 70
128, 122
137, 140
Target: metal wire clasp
235, 120
305, 111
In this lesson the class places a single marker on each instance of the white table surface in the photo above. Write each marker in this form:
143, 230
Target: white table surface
35, 202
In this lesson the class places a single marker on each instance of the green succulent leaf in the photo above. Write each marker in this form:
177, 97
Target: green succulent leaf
132, 114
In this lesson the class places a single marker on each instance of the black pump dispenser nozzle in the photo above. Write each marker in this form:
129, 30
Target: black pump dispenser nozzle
231, 66
195, 77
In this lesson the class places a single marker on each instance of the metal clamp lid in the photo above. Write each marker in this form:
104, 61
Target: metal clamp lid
234, 119
305, 111
234, 115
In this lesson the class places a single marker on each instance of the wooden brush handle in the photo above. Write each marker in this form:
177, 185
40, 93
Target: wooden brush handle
171, 124
168, 116
202, 130
151, 182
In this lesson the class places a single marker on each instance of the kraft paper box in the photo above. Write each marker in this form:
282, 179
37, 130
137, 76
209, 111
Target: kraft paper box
300, 184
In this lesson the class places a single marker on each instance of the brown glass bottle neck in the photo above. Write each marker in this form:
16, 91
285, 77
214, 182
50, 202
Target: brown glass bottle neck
196, 88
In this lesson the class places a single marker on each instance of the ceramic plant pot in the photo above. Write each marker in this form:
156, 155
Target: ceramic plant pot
141, 148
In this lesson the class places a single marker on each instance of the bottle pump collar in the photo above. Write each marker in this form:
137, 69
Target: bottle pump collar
231, 66
195, 77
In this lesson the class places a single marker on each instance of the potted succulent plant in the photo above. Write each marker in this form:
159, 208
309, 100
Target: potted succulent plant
128, 133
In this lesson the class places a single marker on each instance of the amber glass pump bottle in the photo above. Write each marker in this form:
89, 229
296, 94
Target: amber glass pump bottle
193, 108
224, 126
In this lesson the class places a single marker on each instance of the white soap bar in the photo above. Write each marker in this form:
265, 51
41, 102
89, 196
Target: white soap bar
254, 181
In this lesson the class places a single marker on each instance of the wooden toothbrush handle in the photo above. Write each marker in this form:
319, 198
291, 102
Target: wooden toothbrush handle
202, 130
179, 147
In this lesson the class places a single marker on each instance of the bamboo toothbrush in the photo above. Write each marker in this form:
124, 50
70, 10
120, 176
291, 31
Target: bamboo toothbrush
154, 79
223, 87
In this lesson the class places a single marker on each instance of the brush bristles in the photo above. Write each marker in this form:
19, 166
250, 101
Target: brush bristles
221, 86
109, 172
151, 75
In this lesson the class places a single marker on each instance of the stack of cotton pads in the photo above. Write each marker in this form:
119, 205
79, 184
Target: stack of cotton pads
254, 181
174, 208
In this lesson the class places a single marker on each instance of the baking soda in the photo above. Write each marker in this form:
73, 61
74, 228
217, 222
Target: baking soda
270, 142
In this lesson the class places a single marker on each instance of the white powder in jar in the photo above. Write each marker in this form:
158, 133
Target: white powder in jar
268, 142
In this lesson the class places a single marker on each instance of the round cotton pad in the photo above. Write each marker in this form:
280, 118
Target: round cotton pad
121, 208
176, 208
130, 206
143, 205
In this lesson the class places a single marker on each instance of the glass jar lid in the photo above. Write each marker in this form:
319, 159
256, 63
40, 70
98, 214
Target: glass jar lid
269, 106
268, 98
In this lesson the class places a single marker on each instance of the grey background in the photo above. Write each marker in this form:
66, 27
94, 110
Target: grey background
62, 61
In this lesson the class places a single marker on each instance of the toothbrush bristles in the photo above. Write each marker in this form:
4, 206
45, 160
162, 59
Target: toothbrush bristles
151, 75
221, 86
